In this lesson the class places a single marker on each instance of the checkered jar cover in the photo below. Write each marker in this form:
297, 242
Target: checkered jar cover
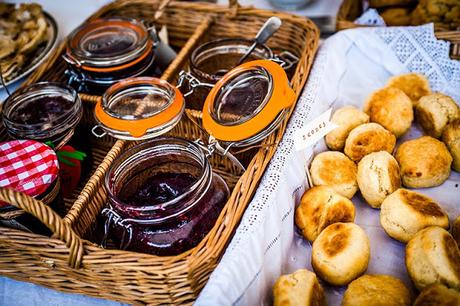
27, 166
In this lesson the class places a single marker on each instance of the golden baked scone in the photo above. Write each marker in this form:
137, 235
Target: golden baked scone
391, 108
434, 112
456, 230
341, 253
406, 212
319, 207
396, 16
347, 118
377, 290
300, 288
424, 162
336, 170
378, 177
432, 256
385, 3
444, 14
368, 138
414, 85
438, 295
451, 137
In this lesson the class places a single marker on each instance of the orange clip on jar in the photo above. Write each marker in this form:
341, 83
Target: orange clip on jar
104, 51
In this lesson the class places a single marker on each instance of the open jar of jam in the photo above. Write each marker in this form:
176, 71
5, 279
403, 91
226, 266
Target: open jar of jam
211, 61
50, 113
104, 51
163, 197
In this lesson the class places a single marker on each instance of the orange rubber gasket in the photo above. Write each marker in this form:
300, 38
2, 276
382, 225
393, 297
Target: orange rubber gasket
138, 128
282, 97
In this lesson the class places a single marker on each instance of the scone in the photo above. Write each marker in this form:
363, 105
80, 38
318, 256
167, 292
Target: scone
378, 176
456, 230
384, 3
336, 170
451, 137
438, 295
434, 112
396, 16
406, 212
319, 207
384, 290
445, 14
347, 118
300, 288
414, 85
391, 108
424, 162
341, 253
432, 256
368, 138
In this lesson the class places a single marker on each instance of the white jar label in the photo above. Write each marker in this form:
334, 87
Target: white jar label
314, 131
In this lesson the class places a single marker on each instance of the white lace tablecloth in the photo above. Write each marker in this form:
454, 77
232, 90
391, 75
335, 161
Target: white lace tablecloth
348, 67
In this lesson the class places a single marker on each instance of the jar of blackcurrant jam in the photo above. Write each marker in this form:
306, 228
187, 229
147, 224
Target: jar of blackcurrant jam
50, 113
212, 60
104, 51
163, 197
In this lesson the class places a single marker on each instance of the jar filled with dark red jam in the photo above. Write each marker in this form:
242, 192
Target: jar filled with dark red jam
163, 197
49, 113
104, 51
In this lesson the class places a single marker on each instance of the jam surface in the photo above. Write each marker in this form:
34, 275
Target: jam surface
220, 64
41, 110
157, 189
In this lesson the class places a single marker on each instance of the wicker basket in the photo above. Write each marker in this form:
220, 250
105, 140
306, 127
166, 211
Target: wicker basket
69, 263
350, 10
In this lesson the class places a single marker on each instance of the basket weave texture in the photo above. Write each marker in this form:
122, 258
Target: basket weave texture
350, 10
70, 263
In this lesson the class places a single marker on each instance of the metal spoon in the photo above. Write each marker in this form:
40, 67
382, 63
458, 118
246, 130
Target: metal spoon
268, 29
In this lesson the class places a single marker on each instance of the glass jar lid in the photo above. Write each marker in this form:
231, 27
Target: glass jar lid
247, 102
108, 42
139, 108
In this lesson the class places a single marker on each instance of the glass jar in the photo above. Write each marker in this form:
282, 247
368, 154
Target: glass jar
50, 113
104, 51
32, 168
211, 61
163, 197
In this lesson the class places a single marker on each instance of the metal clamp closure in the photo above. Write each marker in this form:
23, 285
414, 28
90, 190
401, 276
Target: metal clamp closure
286, 59
192, 81
115, 219
214, 146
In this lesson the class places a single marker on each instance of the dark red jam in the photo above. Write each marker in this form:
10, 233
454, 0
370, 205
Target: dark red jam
163, 197
161, 188
41, 110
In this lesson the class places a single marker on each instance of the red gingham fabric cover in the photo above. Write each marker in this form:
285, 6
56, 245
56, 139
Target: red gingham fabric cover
28, 166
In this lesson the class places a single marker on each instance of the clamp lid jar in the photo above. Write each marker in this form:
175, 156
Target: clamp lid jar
248, 103
163, 197
139, 108
104, 51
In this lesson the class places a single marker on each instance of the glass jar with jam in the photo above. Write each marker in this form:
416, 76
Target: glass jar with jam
30, 167
49, 113
163, 197
211, 61
104, 51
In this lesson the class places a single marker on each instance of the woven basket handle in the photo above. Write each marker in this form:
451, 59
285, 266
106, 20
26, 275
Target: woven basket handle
49, 218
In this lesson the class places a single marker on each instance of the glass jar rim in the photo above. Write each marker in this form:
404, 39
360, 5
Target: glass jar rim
75, 51
225, 42
155, 146
25, 92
